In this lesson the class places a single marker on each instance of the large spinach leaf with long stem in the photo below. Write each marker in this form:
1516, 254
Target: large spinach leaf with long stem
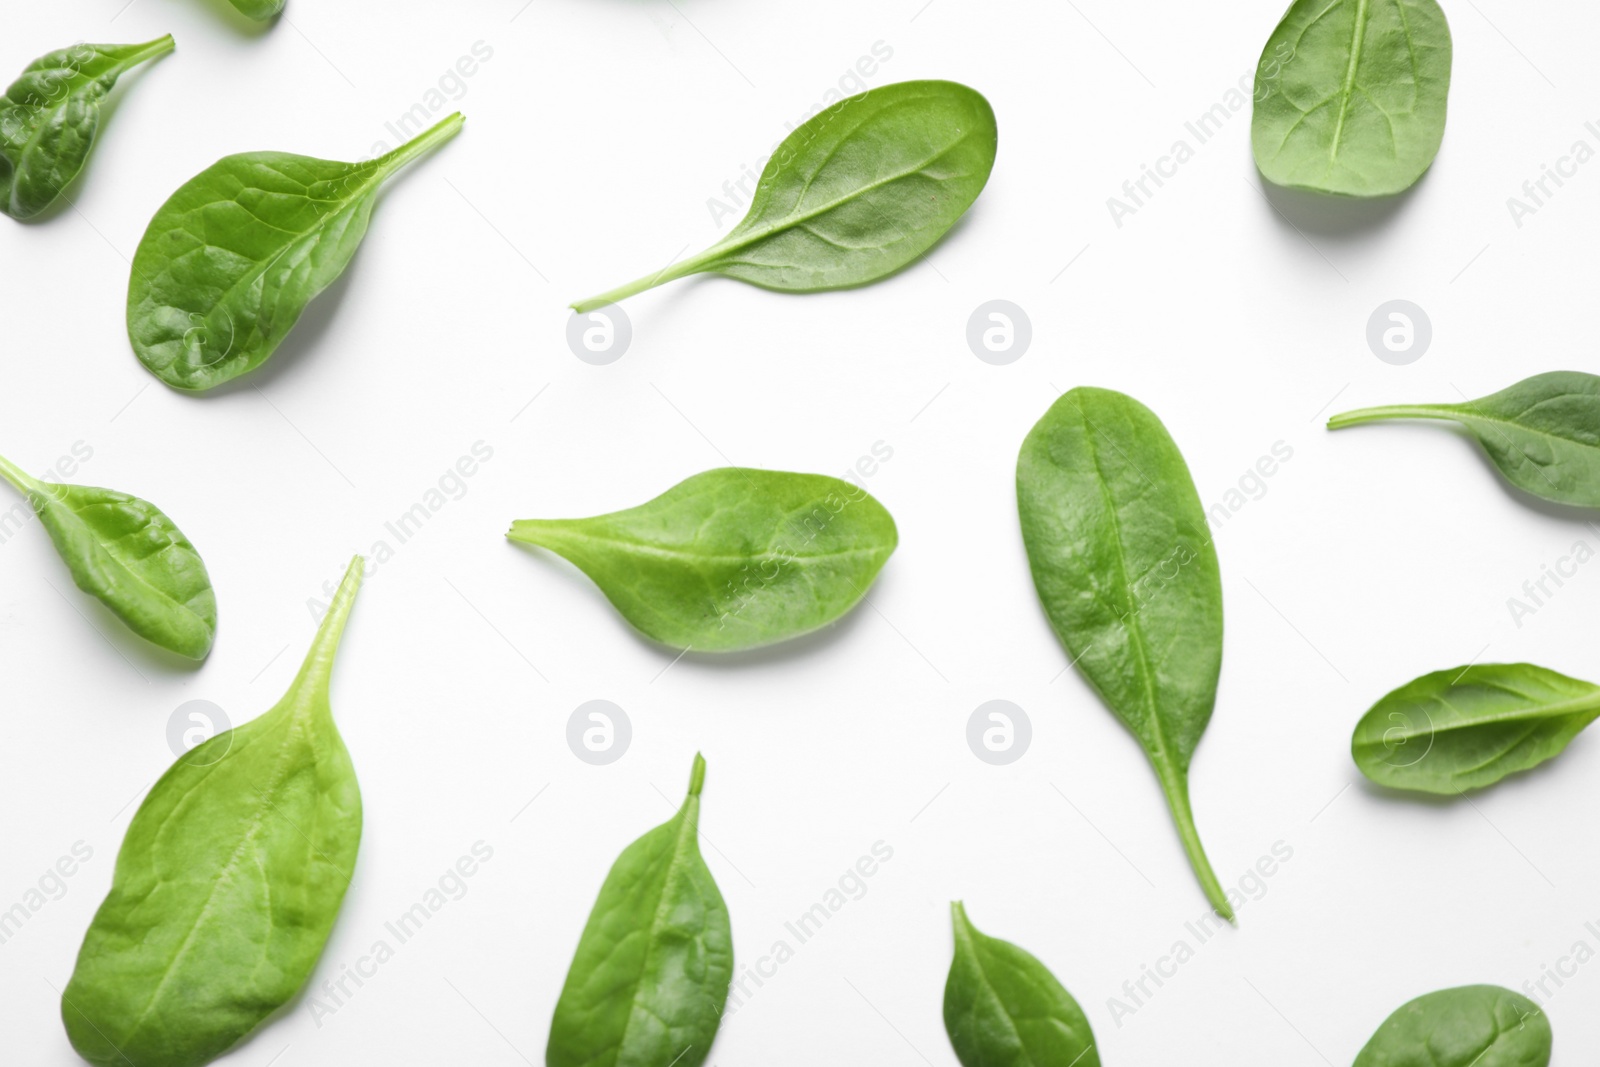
234, 256
1003, 1008
732, 558
652, 970
1469, 727
1125, 569
854, 194
1470, 1026
1351, 95
128, 555
50, 116
1543, 433
228, 882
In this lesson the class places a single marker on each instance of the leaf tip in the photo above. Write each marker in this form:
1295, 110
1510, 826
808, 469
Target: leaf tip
697, 775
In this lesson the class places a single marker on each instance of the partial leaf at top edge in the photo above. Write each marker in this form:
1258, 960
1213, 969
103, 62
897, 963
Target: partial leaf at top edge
1469, 727
231, 260
50, 117
1351, 95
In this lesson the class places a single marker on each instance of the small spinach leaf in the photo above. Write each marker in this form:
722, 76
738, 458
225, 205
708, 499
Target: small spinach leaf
1471, 1026
128, 555
1003, 1008
1125, 569
1542, 433
50, 116
1351, 95
1469, 727
854, 194
731, 558
260, 10
652, 970
234, 256
228, 882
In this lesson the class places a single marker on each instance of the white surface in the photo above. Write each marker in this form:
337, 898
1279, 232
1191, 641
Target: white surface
595, 136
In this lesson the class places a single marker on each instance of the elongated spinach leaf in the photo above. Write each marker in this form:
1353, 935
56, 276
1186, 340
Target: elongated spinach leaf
1469, 727
732, 558
50, 116
1542, 433
232, 259
1003, 1008
1351, 95
228, 882
1125, 569
854, 194
260, 10
652, 970
1471, 1026
128, 555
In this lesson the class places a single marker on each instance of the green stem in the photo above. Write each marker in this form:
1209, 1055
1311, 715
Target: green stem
666, 274
17, 477
424, 143
697, 776
150, 50
311, 684
1176, 786
1394, 411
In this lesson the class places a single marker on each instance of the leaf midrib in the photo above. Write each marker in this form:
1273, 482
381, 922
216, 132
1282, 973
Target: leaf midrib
1558, 710
967, 935
645, 549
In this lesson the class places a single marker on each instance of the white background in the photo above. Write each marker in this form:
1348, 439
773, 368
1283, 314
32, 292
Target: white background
595, 135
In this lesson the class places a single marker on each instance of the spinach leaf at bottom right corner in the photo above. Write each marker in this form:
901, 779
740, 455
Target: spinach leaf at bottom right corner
1003, 1008
1469, 1026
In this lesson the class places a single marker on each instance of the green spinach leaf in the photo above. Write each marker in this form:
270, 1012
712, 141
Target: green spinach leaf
732, 558
50, 116
228, 882
260, 10
1472, 1026
1003, 1008
232, 259
857, 192
1351, 95
128, 555
652, 970
1125, 569
1542, 433
1469, 727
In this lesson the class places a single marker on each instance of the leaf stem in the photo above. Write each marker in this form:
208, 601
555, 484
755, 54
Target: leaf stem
424, 143
1176, 786
697, 776
150, 50
315, 673
17, 477
1393, 411
671, 272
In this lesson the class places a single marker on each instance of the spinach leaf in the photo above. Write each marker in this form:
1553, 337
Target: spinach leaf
260, 10
1542, 433
50, 116
228, 882
1469, 727
1351, 94
1003, 1008
128, 555
232, 259
731, 558
1471, 1026
1125, 569
857, 192
652, 970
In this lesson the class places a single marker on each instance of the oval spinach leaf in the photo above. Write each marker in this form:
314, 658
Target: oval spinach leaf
50, 116
1469, 727
732, 558
232, 259
1472, 1026
128, 555
1542, 433
228, 882
857, 192
652, 970
1003, 1008
1125, 569
1351, 95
